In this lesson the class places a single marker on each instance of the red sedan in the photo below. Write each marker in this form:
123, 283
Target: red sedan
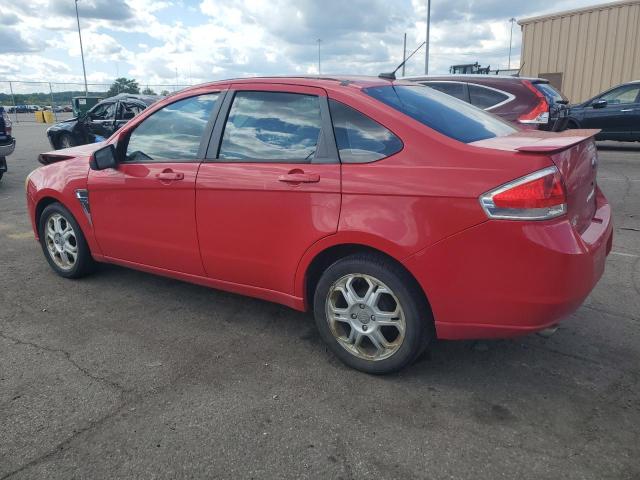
394, 212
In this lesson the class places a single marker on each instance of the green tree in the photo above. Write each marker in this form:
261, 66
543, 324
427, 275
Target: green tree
148, 91
123, 85
164, 93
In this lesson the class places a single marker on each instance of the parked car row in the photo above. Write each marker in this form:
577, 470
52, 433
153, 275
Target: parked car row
394, 212
535, 103
36, 108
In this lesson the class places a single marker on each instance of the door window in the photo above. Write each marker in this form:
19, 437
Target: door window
271, 127
485, 97
622, 95
455, 89
360, 139
128, 110
104, 111
173, 132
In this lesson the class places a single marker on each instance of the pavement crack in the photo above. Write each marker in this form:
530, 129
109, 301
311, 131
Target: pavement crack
69, 358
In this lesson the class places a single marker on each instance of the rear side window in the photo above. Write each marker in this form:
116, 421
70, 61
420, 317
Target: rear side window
455, 89
485, 98
272, 127
173, 132
449, 116
360, 139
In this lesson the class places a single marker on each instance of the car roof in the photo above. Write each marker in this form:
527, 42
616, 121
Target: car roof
329, 81
146, 99
506, 78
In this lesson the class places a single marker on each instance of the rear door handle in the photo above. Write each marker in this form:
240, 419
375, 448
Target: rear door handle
299, 178
169, 175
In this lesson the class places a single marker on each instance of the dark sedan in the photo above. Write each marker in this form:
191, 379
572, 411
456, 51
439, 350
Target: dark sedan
616, 112
100, 122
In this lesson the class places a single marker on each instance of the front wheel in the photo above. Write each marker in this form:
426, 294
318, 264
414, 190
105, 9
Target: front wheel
372, 314
63, 243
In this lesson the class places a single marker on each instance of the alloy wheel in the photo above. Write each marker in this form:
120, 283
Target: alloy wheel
365, 317
61, 241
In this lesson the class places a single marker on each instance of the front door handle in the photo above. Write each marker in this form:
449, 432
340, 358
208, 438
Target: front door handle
169, 176
299, 177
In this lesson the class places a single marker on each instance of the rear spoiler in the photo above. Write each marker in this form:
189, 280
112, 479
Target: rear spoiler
537, 141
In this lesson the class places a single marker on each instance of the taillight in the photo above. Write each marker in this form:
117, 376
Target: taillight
537, 196
540, 113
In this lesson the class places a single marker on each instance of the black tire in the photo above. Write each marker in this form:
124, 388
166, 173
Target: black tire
418, 331
65, 141
572, 124
83, 262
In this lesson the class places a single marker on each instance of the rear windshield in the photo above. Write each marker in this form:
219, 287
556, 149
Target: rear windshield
550, 93
445, 114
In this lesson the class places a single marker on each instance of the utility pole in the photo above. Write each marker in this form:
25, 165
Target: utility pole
512, 20
84, 70
426, 55
404, 52
319, 70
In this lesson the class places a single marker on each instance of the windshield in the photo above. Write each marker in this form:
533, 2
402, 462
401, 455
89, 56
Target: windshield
445, 114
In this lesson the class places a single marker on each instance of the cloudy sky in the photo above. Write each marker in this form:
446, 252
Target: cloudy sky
190, 41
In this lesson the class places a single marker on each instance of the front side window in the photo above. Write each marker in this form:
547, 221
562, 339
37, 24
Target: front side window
485, 98
447, 115
104, 111
622, 95
173, 132
455, 89
271, 127
360, 139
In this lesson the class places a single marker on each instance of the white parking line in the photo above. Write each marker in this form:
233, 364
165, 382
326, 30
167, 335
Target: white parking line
625, 254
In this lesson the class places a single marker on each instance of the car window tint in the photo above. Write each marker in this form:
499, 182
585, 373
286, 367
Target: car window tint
484, 98
449, 116
173, 132
103, 111
271, 127
551, 94
360, 139
455, 89
626, 94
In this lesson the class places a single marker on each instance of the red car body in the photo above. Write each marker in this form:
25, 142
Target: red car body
239, 227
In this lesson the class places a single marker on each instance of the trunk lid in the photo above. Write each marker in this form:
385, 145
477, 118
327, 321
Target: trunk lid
575, 155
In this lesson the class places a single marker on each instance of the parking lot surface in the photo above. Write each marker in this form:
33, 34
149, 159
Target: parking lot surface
129, 375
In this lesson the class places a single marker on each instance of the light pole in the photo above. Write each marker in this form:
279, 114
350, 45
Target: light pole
512, 20
426, 55
319, 42
84, 70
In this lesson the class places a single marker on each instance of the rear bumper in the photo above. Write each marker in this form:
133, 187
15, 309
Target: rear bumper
7, 149
504, 278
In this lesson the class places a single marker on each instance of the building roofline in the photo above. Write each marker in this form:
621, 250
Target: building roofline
565, 13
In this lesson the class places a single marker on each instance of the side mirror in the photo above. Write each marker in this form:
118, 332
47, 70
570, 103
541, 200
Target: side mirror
599, 104
104, 158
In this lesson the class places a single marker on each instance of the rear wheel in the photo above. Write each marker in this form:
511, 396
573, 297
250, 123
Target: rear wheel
65, 141
63, 243
372, 314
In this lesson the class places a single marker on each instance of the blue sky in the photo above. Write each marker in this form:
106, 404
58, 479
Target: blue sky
187, 41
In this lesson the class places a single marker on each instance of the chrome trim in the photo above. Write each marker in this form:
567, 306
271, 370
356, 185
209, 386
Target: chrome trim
83, 197
493, 212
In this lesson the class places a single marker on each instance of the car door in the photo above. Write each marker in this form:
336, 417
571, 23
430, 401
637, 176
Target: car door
143, 212
100, 121
618, 116
270, 186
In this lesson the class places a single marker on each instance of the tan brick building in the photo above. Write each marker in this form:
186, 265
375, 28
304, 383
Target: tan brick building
584, 51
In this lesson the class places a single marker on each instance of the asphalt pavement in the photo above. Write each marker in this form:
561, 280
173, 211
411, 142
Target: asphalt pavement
129, 375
